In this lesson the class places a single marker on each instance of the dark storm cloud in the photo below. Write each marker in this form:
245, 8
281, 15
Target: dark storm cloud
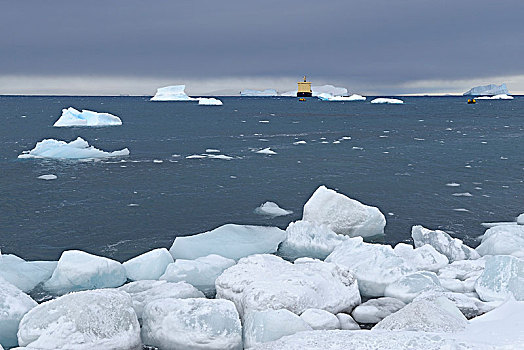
369, 41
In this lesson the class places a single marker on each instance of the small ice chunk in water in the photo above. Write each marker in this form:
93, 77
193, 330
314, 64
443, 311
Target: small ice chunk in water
77, 149
48, 177
271, 209
320, 319
301, 142
209, 102
212, 150
387, 100
266, 151
148, 266
462, 194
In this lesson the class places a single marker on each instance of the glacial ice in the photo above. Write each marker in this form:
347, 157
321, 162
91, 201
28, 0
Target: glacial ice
407, 287
272, 209
148, 266
424, 258
503, 277
330, 97
144, 292
347, 322
452, 248
268, 325
260, 93
77, 149
230, 241
48, 177
307, 239
503, 240
172, 93
77, 270
192, 324
98, 319
262, 282
387, 100
14, 304
25, 275
490, 89
375, 310
209, 101
200, 273
73, 117
496, 97
342, 214
322, 89
320, 319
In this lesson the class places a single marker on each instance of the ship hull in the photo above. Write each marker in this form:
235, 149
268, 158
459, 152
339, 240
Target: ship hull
304, 94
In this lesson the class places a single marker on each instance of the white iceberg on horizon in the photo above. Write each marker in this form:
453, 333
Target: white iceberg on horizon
73, 117
496, 97
172, 93
203, 101
491, 89
329, 97
77, 149
259, 93
387, 100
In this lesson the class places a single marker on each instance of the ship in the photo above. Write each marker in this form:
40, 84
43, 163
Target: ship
304, 88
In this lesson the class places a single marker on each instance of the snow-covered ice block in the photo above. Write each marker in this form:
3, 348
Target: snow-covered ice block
307, 239
491, 89
77, 149
320, 319
143, 292
201, 272
172, 93
424, 258
260, 93
192, 324
25, 274
14, 304
407, 287
77, 270
347, 322
503, 240
452, 248
148, 266
438, 315
460, 276
375, 310
272, 209
73, 117
503, 277
262, 282
209, 101
98, 319
469, 306
374, 265
268, 325
342, 214
496, 97
387, 100
230, 241
520, 219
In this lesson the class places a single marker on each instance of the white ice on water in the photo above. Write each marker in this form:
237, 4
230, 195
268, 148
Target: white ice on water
72, 117
172, 93
496, 97
330, 97
260, 93
77, 149
209, 101
148, 266
490, 89
387, 100
267, 150
272, 209
503, 240
48, 177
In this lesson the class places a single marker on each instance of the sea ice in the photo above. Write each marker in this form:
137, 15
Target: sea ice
490, 89
329, 97
503, 240
260, 93
266, 151
48, 177
73, 117
98, 319
307, 239
14, 304
268, 325
143, 292
25, 275
347, 322
320, 319
272, 209
375, 310
209, 101
407, 287
342, 214
148, 266
262, 282
503, 277
496, 97
230, 241
77, 270
77, 149
424, 258
192, 324
387, 100
172, 93
452, 248
201, 272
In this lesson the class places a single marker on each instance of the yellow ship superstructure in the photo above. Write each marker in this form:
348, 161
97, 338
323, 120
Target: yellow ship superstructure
304, 88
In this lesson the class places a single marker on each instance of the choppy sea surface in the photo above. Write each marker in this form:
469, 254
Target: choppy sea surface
433, 161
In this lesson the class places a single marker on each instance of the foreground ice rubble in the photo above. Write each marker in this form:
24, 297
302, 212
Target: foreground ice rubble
503, 240
320, 319
272, 209
407, 287
148, 266
77, 149
375, 310
73, 117
503, 277
172, 93
452, 248
25, 274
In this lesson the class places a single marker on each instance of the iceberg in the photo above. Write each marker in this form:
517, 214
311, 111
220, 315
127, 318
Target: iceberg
320, 319
25, 275
230, 241
259, 93
424, 258
503, 240
148, 266
469, 306
77, 149
387, 100
407, 287
209, 101
201, 272
375, 310
73, 117
503, 277
342, 214
99, 319
192, 324
322, 89
272, 209
263, 282
172, 93
491, 89
496, 97
77, 270
329, 97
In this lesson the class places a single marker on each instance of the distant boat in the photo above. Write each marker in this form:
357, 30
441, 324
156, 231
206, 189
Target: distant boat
304, 88
471, 101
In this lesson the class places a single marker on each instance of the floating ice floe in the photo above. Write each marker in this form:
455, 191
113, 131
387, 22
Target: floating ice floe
77, 270
98, 319
322, 89
503, 240
230, 241
266, 151
201, 272
496, 97
209, 101
77, 149
387, 100
172, 93
148, 266
271, 209
407, 287
301, 142
192, 324
263, 282
330, 97
490, 89
375, 310
259, 93
47, 177
503, 277
320, 319
25, 275
14, 304
73, 117
342, 214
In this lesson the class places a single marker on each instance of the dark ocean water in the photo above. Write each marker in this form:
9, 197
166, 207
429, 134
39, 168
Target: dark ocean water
399, 158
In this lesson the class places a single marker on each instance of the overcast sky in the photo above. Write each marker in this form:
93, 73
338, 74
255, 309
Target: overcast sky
370, 47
